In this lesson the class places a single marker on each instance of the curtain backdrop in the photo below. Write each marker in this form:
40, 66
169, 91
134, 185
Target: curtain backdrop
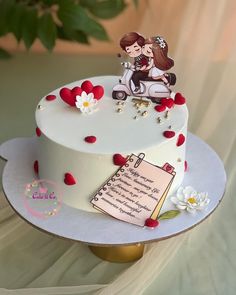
202, 41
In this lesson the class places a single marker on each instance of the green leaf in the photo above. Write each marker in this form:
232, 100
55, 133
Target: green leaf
81, 37
72, 35
15, 20
104, 9
47, 31
4, 54
75, 17
169, 214
96, 30
29, 27
5, 8
72, 15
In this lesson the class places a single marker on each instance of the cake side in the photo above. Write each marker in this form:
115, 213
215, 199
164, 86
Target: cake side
91, 170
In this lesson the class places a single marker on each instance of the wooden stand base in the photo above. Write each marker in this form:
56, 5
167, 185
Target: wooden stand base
119, 254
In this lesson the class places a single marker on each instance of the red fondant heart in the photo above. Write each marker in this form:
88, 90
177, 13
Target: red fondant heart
179, 99
119, 160
164, 100
90, 139
149, 222
168, 168
169, 134
185, 166
98, 92
87, 86
160, 108
36, 167
50, 97
69, 179
168, 102
76, 91
181, 140
38, 131
68, 97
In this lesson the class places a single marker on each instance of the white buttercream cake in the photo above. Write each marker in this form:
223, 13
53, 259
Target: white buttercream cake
76, 150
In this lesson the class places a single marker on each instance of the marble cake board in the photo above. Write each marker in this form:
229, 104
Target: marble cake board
205, 173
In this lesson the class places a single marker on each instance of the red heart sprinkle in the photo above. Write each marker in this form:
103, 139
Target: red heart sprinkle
168, 168
151, 222
160, 108
179, 99
50, 97
169, 134
87, 86
169, 102
185, 166
76, 91
90, 139
98, 92
164, 100
36, 167
38, 131
119, 160
67, 96
69, 179
181, 140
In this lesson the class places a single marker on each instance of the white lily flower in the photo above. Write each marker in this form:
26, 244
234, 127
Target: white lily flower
187, 198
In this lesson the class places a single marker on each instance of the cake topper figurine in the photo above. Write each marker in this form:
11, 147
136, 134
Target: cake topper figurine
146, 76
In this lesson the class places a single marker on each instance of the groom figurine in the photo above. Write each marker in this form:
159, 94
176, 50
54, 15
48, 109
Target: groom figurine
132, 44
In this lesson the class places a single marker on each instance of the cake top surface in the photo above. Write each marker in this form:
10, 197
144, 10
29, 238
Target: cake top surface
115, 131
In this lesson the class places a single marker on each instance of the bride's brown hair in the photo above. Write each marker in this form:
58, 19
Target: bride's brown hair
160, 53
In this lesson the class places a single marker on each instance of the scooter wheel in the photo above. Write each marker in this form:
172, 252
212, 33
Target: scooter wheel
120, 95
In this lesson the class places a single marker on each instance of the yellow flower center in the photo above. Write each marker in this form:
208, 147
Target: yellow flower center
86, 104
192, 200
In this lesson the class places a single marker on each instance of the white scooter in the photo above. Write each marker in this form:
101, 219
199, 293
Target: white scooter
152, 89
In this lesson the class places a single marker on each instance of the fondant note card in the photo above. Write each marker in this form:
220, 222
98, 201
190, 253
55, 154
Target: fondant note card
136, 191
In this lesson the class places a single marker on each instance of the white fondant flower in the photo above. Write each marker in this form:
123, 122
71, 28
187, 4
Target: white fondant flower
86, 102
162, 44
160, 39
187, 198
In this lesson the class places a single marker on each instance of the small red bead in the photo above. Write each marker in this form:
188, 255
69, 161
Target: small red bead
149, 222
36, 167
50, 97
181, 140
185, 166
38, 131
90, 139
169, 134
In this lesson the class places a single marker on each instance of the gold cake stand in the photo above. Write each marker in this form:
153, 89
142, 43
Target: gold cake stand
119, 253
